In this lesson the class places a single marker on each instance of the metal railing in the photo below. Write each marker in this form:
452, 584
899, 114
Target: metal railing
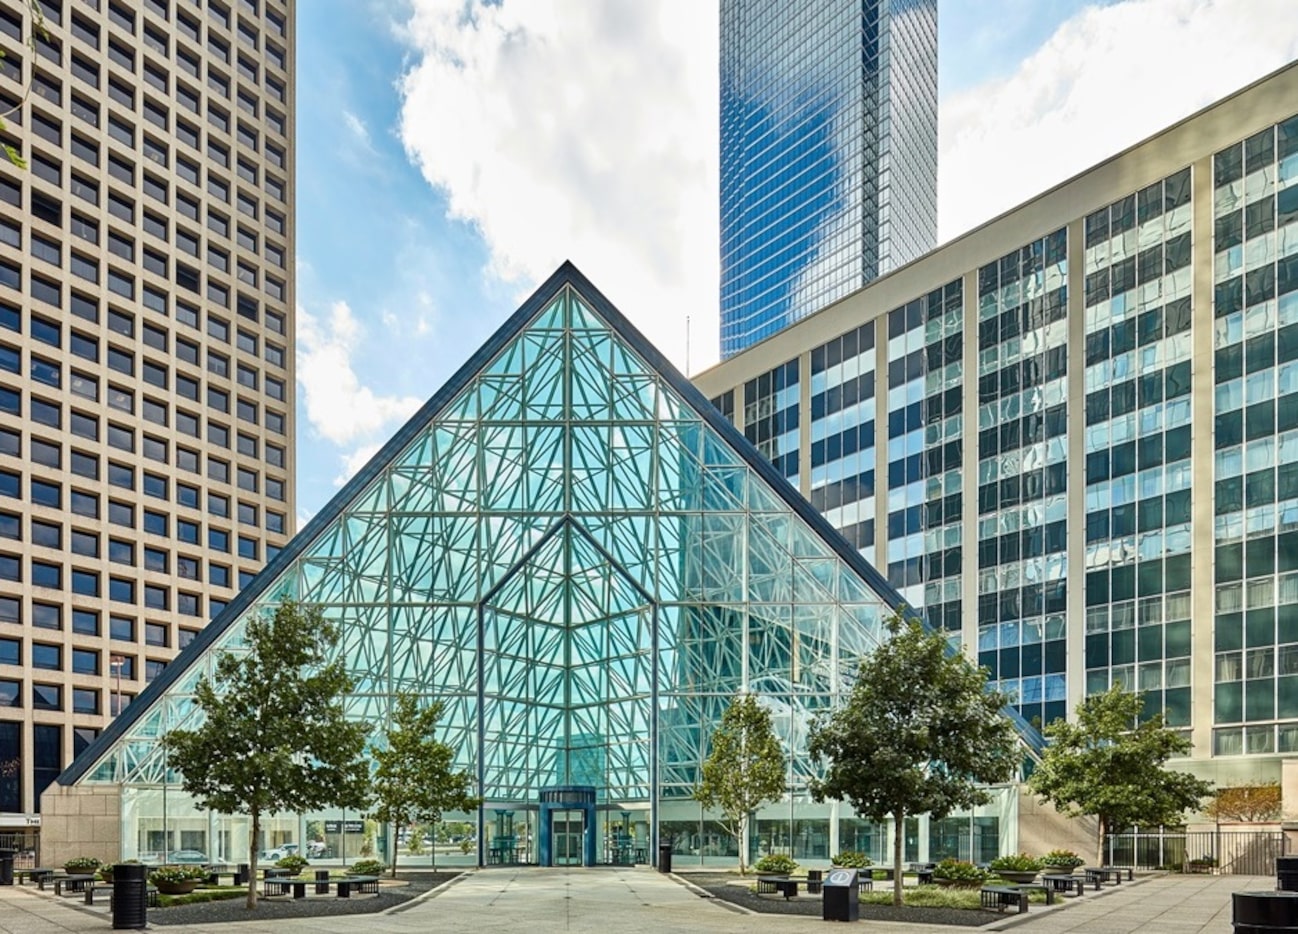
1227, 852
26, 847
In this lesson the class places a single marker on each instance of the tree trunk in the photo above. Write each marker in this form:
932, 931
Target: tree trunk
1099, 849
740, 838
396, 848
433, 842
251, 903
899, 817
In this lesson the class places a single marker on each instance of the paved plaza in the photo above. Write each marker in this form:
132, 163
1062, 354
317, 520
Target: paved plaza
639, 901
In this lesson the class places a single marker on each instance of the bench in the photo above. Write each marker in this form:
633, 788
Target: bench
772, 885
1063, 883
36, 875
1036, 887
1000, 897
74, 884
1098, 874
296, 886
362, 884
150, 894
923, 872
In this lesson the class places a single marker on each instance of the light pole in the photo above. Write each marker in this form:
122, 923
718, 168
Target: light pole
116, 663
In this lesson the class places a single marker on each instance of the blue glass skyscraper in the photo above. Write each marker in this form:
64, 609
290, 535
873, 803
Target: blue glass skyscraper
828, 153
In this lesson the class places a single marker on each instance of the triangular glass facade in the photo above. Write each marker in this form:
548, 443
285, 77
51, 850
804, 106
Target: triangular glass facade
578, 557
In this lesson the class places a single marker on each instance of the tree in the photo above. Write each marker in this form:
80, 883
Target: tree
745, 769
919, 733
415, 780
38, 30
1109, 766
1249, 804
275, 736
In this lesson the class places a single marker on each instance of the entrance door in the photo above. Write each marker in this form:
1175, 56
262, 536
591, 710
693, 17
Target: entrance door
568, 833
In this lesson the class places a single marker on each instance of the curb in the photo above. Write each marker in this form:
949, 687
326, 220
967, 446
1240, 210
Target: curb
705, 894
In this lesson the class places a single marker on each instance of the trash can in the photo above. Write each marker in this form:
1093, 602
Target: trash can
1264, 912
322, 881
6, 867
664, 857
842, 899
130, 897
1286, 873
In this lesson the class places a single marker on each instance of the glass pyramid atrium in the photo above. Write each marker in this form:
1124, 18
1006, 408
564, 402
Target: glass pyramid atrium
584, 562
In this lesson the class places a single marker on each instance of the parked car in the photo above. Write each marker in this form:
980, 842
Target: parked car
195, 857
279, 852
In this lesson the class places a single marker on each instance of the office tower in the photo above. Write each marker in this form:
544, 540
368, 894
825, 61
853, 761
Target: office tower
828, 153
1071, 435
146, 363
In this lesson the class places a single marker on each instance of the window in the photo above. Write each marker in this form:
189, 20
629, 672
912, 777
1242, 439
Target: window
10, 652
121, 590
156, 634
85, 661
123, 628
45, 574
155, 523
47, 616
122, 514
247, 547
47, 697
48, 657
121, 552
85, 622
156, 598
156, 559
187, 532
85, 543
218, 540
85, 700
218, 575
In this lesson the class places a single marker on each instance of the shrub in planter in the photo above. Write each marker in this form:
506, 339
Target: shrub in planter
177, 880
958, 874
776, 864
852, 859
106, 870
293, 863
1020, 868
1202, 864
82, 864
366, 867
1066, 860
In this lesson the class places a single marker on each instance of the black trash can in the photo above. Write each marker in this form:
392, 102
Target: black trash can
322, 881
842, 898
241, 874
664, 857
1264, 912
6, 867
130, 897
1286, 873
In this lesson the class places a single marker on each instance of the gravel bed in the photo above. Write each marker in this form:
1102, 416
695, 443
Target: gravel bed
723, 887
285, 906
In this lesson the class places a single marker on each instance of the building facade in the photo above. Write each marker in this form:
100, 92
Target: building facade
146, 350
828, 153
575, 554
1071, 435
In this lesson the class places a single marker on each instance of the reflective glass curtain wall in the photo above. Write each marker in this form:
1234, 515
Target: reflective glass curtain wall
828, 153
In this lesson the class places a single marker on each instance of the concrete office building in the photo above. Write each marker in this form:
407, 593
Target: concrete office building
828, 153
1071, 435
146, 364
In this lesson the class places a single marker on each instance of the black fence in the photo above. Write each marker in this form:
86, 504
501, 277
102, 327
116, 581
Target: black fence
26, 847
1229, 852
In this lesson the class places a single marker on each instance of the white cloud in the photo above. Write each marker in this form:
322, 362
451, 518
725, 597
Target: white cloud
338, 407
566, 129
358, 129
1108, 77
354, 461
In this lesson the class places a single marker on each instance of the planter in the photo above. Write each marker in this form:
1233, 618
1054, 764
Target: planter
177, 888
1023, 877
106, 875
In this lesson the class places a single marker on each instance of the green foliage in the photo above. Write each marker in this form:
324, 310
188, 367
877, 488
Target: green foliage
1061, 859
932, 896
177, 874
852, 859
744, 770
293, 863
960, 872
415, 842
416, 779
1017, 862
38, 29
224, 893
367, 867
82, 864
1109, 766
919, 733
776, 862
275, 736
1253, 803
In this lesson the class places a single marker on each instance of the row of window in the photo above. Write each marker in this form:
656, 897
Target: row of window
51, 696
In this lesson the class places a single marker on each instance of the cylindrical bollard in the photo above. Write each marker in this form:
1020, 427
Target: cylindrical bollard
6, 867
130, 897
664, 857
322, 881
1286, 873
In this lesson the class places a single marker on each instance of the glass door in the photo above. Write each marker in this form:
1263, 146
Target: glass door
568, 832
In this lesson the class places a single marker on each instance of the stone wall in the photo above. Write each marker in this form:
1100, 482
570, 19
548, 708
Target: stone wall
1042, 829
82, 820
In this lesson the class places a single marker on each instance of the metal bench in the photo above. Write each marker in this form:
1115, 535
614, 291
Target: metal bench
75, 884
1036, 887
1000, 897
773, 885
296, 886
1099, 874
1064, 883
362, 884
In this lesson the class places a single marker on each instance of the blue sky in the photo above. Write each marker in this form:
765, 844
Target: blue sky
450, 153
